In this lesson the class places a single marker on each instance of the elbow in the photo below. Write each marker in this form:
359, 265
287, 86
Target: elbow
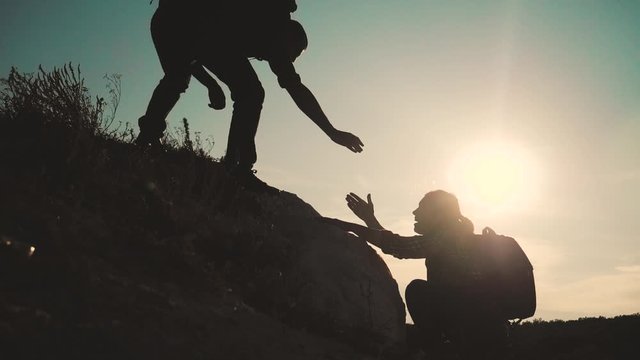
291, 84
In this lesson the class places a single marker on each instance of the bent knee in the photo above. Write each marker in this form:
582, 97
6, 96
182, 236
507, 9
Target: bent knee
176, 82
250, 95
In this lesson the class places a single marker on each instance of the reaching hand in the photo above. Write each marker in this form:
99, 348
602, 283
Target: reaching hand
347, 140
362, 209
216, 98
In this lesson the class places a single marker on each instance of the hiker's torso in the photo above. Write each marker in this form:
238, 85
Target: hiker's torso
247, 28
453, 264
253, 28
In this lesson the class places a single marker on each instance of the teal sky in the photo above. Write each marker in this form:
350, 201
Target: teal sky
545, 93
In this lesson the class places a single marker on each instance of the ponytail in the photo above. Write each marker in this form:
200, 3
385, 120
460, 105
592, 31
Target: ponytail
466, 226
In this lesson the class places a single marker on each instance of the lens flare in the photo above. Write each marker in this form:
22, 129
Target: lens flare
494, 176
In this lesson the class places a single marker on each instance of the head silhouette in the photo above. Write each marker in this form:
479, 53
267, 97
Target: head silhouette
439, 211
296, 39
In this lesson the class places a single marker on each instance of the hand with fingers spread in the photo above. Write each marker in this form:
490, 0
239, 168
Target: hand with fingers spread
363, 210
347, 140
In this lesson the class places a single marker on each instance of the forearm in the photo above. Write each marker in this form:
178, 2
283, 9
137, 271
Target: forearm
201, 74
308, 104
415, 247
371, 235
380, 238
404, 247
395, 245
373, 223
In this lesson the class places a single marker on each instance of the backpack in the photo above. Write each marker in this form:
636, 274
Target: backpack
506, 272
243, 20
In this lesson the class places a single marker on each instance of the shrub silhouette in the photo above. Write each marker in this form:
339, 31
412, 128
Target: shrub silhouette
59, 96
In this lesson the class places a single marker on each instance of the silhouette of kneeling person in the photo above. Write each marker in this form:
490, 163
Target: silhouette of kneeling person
451, 304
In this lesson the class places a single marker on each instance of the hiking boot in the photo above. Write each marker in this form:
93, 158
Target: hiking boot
146, 140
150, 133
250, 181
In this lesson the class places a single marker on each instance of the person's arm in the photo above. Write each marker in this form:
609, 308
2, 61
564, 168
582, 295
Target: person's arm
216, 95
363, 210
371, 235
401, 247
308, 104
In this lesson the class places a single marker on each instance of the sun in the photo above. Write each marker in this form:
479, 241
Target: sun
494, 176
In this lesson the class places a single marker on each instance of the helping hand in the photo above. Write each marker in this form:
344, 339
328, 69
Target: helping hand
347, 140
362, 209
216, 98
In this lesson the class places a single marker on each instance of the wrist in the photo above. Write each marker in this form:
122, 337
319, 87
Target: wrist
331, 132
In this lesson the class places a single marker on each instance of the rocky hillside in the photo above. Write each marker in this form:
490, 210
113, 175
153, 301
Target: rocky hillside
109, 251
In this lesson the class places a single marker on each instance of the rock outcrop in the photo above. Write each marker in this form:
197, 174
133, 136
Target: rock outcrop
336, 281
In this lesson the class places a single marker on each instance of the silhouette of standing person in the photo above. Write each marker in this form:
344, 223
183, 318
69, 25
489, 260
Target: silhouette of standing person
262, 30
453, 302
174, 32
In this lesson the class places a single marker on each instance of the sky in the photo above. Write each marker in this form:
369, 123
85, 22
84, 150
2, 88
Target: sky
527, 111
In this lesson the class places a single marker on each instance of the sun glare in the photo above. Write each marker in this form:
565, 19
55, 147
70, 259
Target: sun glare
494, 176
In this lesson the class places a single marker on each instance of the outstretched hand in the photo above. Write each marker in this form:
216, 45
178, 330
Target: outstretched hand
217, 99
362, 209
347, 140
